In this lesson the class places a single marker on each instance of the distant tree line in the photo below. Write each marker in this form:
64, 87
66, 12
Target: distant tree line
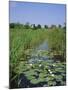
35, 27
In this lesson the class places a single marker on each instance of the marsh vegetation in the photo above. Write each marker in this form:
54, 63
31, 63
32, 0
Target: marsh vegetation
37, 56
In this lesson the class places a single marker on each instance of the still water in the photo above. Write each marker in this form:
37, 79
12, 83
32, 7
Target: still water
35, 56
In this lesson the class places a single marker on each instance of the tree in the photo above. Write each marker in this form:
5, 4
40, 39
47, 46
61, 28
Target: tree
12, 25
38, 26
15, 25
45, 26
27, 26
34, 27
53, 26
59, 26
18, 25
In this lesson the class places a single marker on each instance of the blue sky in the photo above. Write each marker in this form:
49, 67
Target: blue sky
37, 13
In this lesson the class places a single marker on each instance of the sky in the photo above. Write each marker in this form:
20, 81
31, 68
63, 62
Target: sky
37, 13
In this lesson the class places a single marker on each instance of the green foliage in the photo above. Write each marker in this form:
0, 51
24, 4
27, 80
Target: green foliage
15, 25
51, 75
27, 26
12, 25
53, 26
59, 26
45, 26
57, 42
34, 27
38, 26
23, 41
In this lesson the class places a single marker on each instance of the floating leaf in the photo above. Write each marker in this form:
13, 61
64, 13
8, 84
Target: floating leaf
34, 81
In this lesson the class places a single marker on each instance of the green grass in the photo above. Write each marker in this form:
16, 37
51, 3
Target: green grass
57, 39
23, 39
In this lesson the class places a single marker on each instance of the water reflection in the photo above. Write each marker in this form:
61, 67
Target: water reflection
36, 54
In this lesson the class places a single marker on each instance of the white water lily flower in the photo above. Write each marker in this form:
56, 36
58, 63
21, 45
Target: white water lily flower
30, 64
49, 70
52, 75
53, 64
40, 65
